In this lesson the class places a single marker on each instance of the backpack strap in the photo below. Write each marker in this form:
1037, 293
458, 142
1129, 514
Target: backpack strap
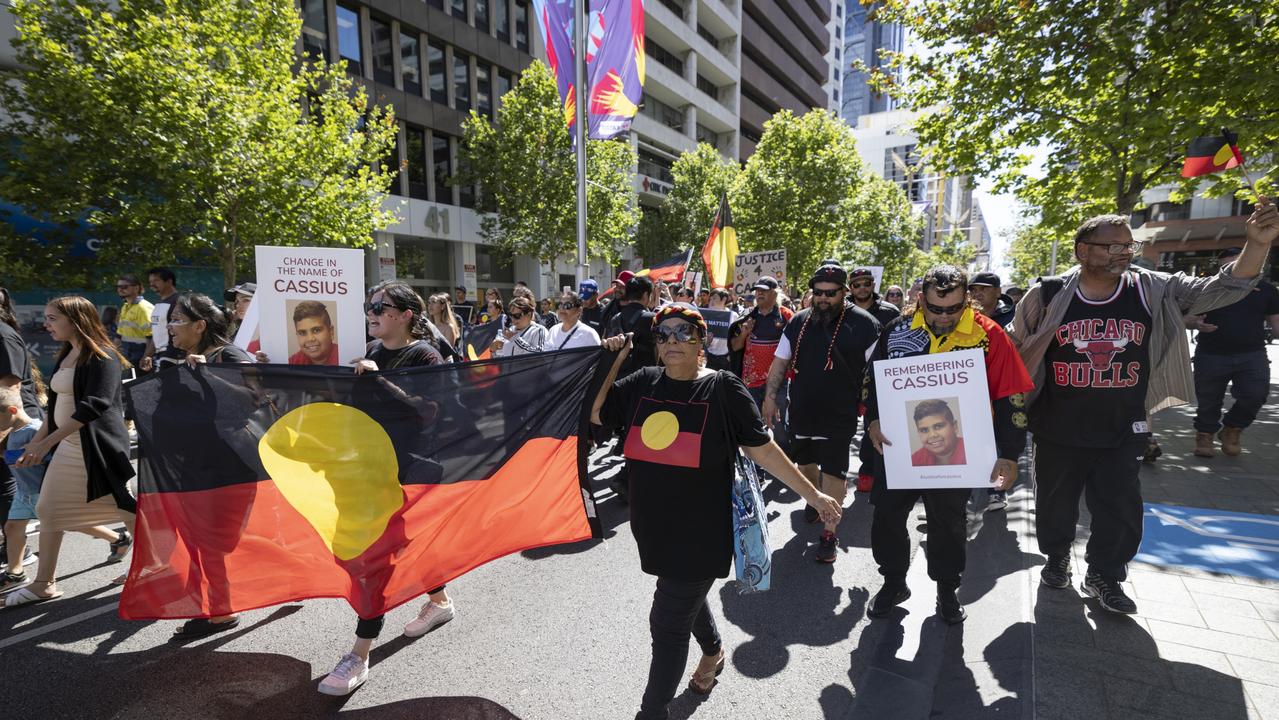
1049, 287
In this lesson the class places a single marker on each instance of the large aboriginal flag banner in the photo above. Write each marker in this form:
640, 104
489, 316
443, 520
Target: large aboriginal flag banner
264, 484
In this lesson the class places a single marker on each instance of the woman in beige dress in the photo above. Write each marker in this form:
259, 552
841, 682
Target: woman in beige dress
86, 483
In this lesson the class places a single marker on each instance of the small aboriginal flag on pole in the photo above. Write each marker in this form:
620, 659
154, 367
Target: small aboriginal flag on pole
721, 247
669, 270
1212, 154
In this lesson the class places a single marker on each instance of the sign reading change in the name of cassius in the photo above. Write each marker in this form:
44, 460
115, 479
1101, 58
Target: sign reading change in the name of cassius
311, 304
935, 410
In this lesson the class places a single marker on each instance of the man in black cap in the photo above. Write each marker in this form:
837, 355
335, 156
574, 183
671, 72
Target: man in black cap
862, 283
1231, 349
825, 346
753, 339
984, 289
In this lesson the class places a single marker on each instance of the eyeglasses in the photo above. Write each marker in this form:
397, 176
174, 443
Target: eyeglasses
379, 307
827, 293
944, 309
681, 333
568, 306
1118, 248
868, 283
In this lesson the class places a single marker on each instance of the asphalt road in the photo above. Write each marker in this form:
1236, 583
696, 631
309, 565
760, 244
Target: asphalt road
558, 633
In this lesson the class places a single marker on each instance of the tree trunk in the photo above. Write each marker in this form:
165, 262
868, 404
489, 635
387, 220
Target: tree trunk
227, 255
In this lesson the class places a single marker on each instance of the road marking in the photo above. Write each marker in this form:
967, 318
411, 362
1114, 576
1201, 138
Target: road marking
52, 627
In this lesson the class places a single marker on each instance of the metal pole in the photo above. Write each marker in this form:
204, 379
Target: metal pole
579, 53
1053, 269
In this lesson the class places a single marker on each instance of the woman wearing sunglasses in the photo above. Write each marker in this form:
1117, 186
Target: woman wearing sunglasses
681, 427
571, 332
522, 335
401, 338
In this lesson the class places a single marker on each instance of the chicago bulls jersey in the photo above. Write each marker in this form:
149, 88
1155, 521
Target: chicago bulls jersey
1097, 369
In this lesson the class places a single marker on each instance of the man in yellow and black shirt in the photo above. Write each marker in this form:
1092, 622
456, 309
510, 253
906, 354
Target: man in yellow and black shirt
133, 325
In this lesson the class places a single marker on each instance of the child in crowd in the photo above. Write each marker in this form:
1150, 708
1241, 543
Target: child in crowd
16, 430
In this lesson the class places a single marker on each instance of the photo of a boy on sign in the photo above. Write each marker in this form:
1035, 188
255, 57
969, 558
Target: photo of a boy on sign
937, 439
314, 341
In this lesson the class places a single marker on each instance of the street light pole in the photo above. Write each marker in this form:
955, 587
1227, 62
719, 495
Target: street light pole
579, 53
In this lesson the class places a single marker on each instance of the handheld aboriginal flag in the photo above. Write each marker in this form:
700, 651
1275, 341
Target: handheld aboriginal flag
669, 270
721, 249
1212, 154
265, 484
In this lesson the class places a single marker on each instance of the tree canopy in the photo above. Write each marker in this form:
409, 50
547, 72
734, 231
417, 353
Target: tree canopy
185, 131
701, 176
1030, 250
1113, 90
527, 172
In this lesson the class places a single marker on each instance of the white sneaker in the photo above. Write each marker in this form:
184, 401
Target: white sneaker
350, 673
431, 617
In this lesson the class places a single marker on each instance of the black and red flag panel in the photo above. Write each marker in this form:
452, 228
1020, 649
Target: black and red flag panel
263, 484
1212, 153
671, 269
667, 433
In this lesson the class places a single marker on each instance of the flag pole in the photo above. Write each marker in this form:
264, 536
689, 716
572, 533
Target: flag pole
579, 71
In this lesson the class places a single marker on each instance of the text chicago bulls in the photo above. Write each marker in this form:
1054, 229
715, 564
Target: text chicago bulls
1099, 342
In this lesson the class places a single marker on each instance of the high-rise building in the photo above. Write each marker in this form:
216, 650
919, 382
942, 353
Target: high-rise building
863, 39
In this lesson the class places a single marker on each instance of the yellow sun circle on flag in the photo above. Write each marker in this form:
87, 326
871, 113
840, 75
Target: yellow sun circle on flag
659, 430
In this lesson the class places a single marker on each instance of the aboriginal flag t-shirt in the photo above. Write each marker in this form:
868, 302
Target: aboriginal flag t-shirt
680, 460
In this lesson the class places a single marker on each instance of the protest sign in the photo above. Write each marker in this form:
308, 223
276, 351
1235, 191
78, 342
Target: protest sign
935, 410
878, 272
246, 336
464, 312
717, 322
310, 304
749, 267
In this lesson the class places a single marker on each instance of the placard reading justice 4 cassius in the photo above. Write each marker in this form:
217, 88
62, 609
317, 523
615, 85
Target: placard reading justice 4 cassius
310, 304
935, 410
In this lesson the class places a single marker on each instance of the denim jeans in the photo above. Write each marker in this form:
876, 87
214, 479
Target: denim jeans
1248, 375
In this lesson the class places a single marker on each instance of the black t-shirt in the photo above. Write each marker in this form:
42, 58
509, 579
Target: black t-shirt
634, 318
1240, 327
229, 354
16, 361
1097, 368
418, 352
883, 311
680, 461
823, 401
594, 317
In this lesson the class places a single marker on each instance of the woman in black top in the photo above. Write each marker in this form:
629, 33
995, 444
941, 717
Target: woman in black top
86, 483
402, 336
681, 427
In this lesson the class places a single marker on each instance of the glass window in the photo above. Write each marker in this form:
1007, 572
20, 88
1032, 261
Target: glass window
674, 7
458, 8
705, 134
415, 142
663, 113
503, 20
490, 269
461, 81
443, 168
395, 161
410, 63
438, 71
521, 25
483, 90
674, 63
437, 4
707, 35
383, 53
482, 15
503, 83
349, 38
315, 29
707, 87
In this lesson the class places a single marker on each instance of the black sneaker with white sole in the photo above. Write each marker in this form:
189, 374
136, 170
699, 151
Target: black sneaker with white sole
1056, 572
1109, 593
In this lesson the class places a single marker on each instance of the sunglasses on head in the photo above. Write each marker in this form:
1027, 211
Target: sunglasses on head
379, 307
944, 309
681, 333
826, 293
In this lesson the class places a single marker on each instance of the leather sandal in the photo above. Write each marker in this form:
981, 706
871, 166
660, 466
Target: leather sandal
702, 683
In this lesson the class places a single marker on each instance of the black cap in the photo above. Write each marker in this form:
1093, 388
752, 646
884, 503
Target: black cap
765, 282
460, 287
242, 289
861, 272
830, 273
985, 278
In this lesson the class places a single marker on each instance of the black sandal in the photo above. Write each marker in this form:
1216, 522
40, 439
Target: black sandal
1153, 452
120, 547
203, 627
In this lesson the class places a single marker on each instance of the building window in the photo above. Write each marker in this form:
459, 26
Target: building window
663, 113
410, 63
383, 53
315, 29
706, 135
490, 270
706, 35
521, 25
394, 161
458, 9
674, 7
654, 166
349, 39
503, 83
438, 73
902, 165
482, 15
483, 90
502, 20
443, 168
461, 81
707, 87
437, 4
415, 142
664, 56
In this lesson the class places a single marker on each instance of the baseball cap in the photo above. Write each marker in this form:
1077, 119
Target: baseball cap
587, 289
861, 272
831, 274
985, 278
765, 282
242, 289
625, 276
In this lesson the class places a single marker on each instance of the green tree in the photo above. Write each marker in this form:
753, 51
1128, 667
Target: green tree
953, 249
185, 130
700, 177
1030, 250
526, 170
885, 229
1113, 90
799, 190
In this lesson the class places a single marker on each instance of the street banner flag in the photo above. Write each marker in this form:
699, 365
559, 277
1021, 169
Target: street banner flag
671, 269
615, 61
477, 339
266, 484
1212, 154
721, 247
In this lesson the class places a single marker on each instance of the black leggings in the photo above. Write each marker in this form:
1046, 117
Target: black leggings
679, 608
370, 628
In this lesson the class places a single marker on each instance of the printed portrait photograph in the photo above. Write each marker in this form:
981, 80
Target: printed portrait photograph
936, 437
312, 332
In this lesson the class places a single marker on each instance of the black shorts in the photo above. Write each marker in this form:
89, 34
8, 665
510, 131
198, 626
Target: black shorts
831, 455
